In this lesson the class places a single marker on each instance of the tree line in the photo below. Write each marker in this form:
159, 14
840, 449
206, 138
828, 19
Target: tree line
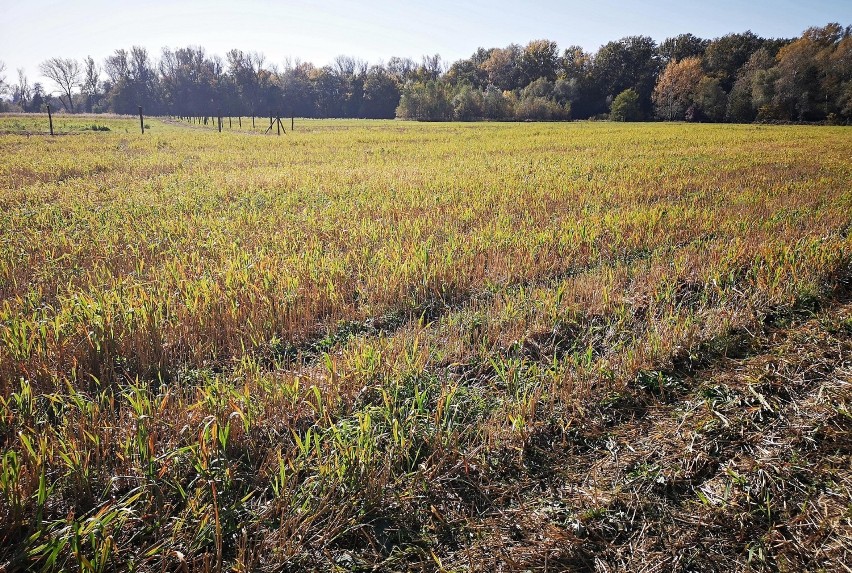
736, 78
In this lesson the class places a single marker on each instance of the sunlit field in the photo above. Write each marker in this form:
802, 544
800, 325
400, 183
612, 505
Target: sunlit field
444, 347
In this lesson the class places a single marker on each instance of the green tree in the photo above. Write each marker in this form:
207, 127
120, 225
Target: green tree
682, 47
808, 72
542, 88
425, 101
187, 81
503, 67
470, 70
625, 106
540, 59
297, 95
431, 67
539, 108
575, 85
538, 101
495, 105
351, 74
726, 55
467, 104
38, 100
764, 96
839, 78
710, 99
330, 92
740, 105
381, 94
91, 83
133, 82
247, 72
630, 63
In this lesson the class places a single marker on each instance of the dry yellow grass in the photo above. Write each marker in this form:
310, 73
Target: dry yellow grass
343, 347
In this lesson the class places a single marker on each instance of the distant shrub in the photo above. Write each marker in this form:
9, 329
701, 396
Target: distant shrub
625, 106
540, 108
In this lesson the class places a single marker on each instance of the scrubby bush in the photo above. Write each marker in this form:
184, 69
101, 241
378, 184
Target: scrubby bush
539, 108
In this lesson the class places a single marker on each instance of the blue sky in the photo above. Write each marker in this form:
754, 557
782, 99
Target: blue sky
317, 31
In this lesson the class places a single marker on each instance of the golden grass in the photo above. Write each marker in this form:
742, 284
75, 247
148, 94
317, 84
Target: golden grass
257, 350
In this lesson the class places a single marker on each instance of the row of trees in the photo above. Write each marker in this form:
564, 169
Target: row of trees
33, 97
807, 79
188, 81
738, 78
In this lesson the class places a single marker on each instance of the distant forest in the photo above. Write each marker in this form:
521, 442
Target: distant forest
735, 78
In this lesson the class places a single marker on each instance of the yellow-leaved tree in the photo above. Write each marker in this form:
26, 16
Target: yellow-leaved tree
676, 88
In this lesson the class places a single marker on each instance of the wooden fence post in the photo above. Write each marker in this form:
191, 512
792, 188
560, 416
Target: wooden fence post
229, 123
292, 122
141, 121
50, 119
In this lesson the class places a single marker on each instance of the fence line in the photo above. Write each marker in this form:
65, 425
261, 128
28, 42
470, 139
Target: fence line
275, 121
217, 121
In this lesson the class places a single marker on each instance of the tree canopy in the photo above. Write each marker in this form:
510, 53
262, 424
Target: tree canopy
738, 77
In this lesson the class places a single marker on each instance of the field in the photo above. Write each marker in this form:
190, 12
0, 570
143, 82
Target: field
440, 347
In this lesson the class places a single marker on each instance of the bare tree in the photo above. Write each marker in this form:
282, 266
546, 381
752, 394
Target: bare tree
117, 66
91, 80
218, 67
65, 73
141, 68
23, 91
3, 85
432, 66
401, 68
347, 66
289, 64
246, 70
257, 59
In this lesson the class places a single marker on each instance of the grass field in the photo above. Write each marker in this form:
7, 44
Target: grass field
441, 347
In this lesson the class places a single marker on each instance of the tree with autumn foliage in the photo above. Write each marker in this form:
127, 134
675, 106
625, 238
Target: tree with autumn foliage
811, 71
675, 90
